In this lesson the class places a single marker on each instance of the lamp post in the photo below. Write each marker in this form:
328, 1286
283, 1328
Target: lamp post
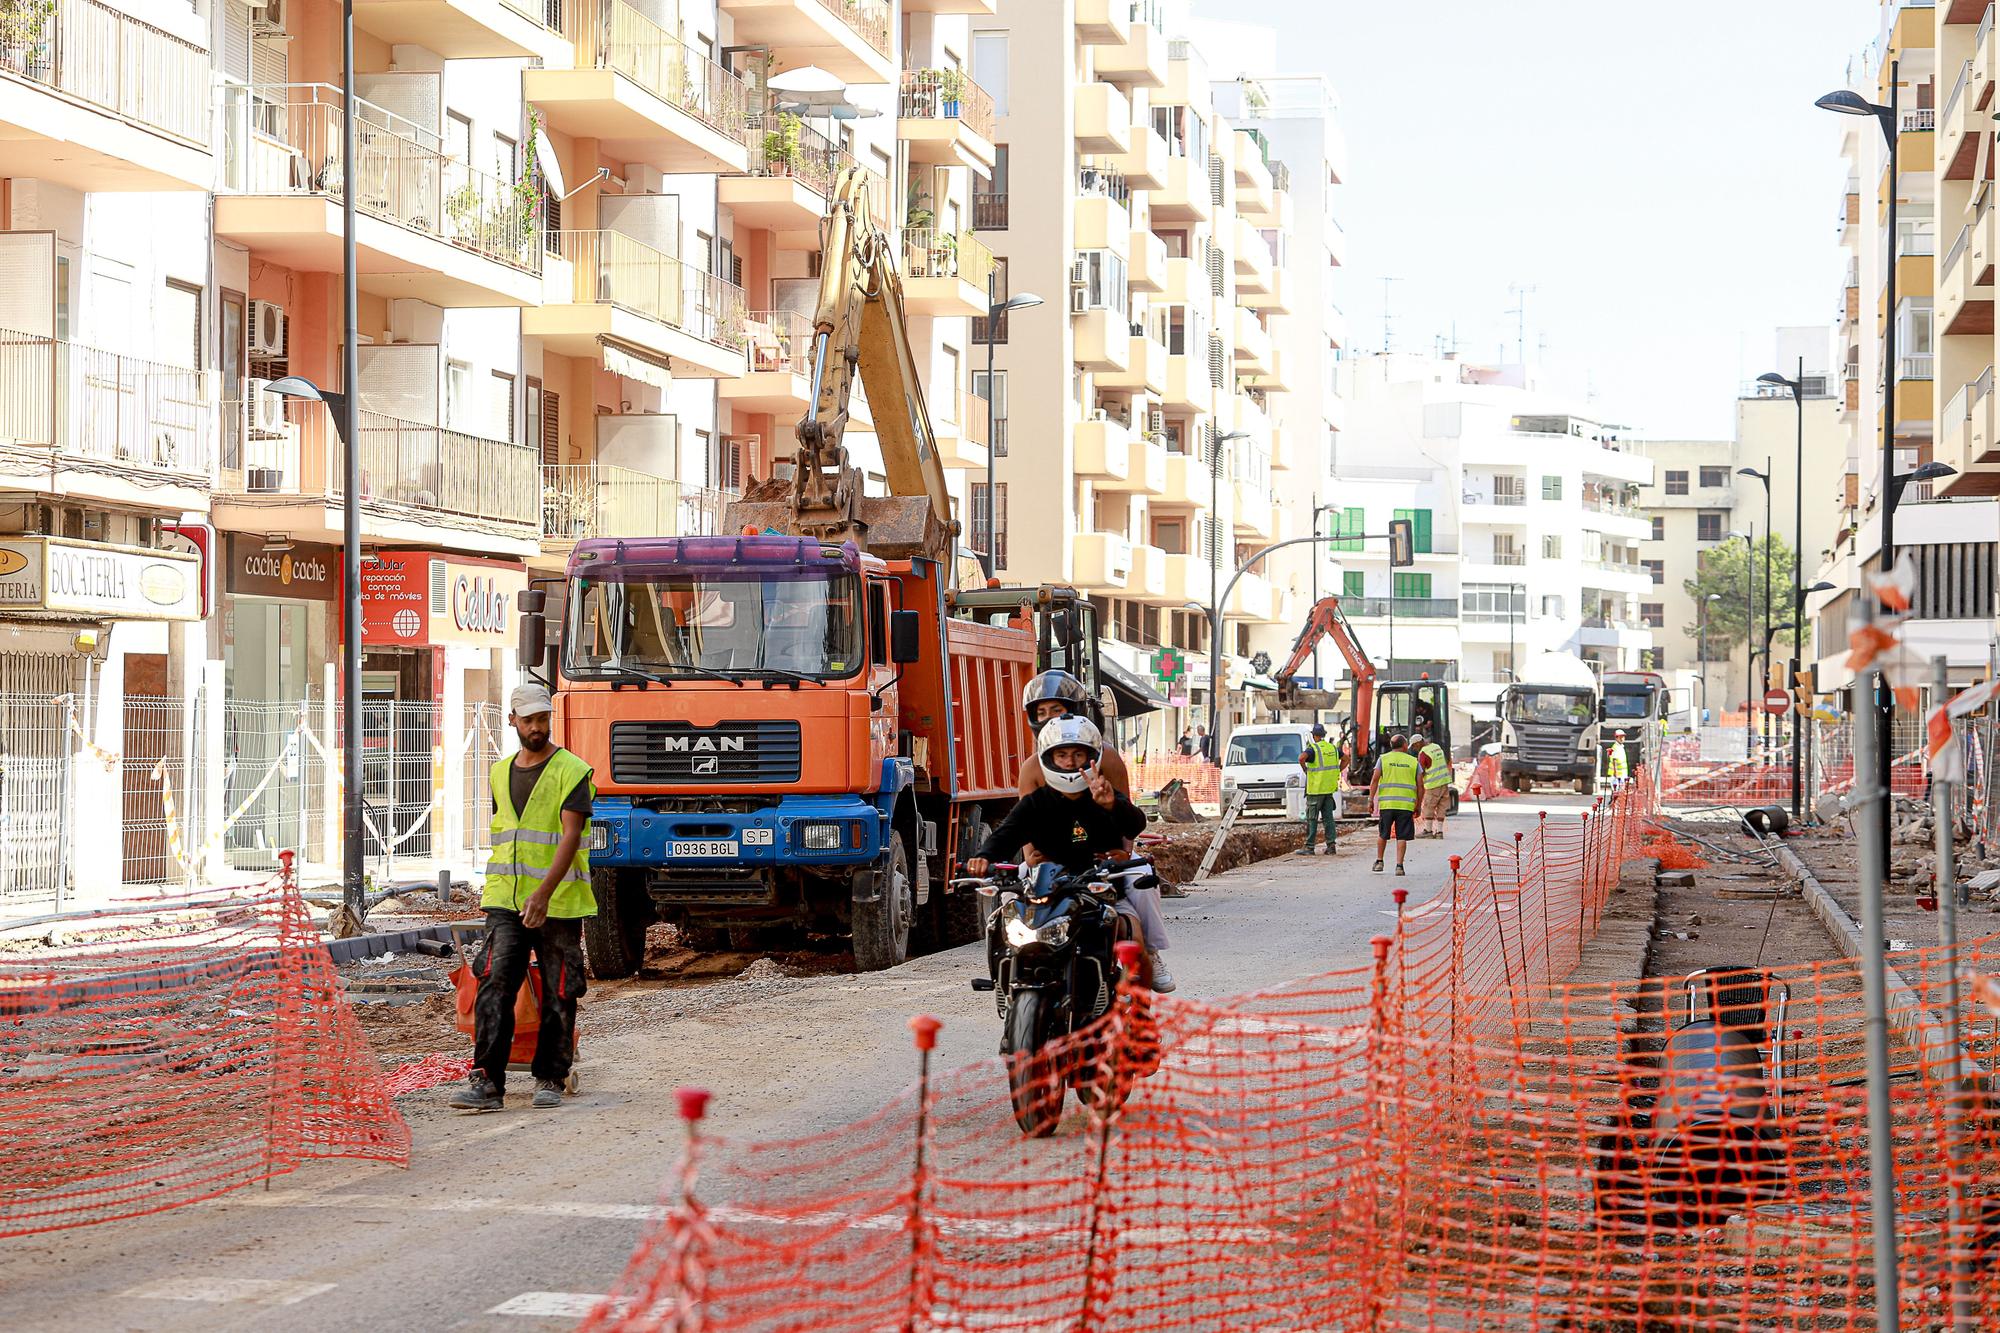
1798, 387
1214, 585
1701, 648
1765, 477
1214, 614
1749, 629
996, 310
1798, 714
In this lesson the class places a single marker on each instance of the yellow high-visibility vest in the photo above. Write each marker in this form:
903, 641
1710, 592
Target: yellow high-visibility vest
1322, 768
1439, 773
524, 843
1397, 777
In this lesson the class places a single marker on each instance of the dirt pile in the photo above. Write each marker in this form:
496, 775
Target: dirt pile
1180, 855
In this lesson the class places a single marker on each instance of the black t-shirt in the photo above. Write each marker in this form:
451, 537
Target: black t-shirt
1072, 831
521, 787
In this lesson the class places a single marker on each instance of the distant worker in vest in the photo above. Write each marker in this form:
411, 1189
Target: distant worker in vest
1437, 786
537, 894
1321, 761
1615, 765
1392, 793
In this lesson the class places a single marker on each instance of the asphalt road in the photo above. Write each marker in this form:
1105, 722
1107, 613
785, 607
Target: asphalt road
522, 1219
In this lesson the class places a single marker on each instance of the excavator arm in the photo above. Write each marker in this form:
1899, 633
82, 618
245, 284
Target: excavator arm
1328, 621
860, 327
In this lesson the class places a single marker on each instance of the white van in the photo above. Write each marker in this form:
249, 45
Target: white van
1262, 761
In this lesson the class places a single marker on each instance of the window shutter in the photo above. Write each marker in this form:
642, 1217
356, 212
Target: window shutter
551, 428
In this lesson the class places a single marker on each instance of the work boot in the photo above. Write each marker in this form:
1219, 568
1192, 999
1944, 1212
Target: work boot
548, 1094
1163, 980
1378, 867
1305, 851
1399, 867
478, 1094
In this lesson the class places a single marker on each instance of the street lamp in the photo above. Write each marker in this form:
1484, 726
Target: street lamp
1765, 477
1749, 628
1701, 647
1214, 582
341, 407
1798, 387
996, 310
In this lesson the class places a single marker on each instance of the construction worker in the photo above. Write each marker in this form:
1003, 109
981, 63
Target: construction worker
1615, 766
1392, 794
536, 896
1437, 786
1321, 761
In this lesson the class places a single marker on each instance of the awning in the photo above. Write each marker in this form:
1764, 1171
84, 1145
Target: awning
1135, 694
636, 363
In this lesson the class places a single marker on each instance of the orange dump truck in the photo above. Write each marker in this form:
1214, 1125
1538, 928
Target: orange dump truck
784, 732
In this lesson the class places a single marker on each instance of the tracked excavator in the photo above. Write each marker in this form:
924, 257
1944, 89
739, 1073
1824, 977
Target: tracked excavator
789, 727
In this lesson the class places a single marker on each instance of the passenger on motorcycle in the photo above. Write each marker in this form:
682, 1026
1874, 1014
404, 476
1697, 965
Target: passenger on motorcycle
1054, 694
1076, 818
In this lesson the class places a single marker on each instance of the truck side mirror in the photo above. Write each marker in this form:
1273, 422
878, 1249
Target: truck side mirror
1107, 702
534, 629
906, 634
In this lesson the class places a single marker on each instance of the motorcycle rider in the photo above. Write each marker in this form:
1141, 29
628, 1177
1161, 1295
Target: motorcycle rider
1053, 694
1073, 819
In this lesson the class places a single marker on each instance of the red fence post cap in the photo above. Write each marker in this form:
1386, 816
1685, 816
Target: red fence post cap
1128, 954
1454, 862
1518, 835
925, 1028
1400, 895
1381, 945
693, 1103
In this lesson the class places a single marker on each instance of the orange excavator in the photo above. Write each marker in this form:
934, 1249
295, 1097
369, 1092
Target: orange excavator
1381, 708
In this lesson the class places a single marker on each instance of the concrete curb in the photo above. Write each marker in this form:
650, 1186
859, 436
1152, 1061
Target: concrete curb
1921, 1029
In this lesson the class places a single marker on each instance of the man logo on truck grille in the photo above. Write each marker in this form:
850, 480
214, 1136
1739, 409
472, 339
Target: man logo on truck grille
706, 764
702, 745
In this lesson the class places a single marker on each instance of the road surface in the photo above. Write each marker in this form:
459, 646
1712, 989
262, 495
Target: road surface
520, 1220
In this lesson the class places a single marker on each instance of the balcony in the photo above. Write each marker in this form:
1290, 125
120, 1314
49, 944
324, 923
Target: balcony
1140, 61
1253, 260
1102, 339
1189, 388
1400, 608
1103, 23
1188, 484
471, 29
989, 210
1187, 195
1186, 284
793, 171
643, 95
1254, 192
1271, 375
1253, 344
94, 99
426, 226
1145, 367
1146, 263
420, 483
1966, 439
1145, 163
850, 38
606, 291
1103, 119
977, 8
1965, 278
944, 275
779, 347
1274, 298
1253, 599
946, 120
1101, 220
586, 500
1113, 457
80, 423
1253, 514
1189, 578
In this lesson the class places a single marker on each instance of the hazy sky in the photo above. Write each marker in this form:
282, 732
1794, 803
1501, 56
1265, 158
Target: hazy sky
1657, 172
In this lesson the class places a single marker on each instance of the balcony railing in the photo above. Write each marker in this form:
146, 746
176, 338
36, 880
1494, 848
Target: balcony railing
583, 500
931, 253
96, 54
1513, 558
1916, 366
625, 41
946, 94
1402, 608
1505, 499
989, 210
1091, 179
429, 467
547, 13
285, 139
779, 340
1957, 91
1152, 13
783, 144
84, 403
1919, 120
870, 18
1599, 504
613, 269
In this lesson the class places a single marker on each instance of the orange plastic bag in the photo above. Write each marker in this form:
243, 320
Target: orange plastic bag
527, 1010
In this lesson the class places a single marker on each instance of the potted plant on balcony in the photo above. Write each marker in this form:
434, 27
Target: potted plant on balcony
951, 90
782, 149
25, 37
944, 252
462, 216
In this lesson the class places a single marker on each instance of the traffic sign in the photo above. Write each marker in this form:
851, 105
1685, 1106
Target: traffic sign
1778, 702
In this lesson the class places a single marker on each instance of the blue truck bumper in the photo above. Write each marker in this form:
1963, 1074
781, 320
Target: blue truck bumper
799, 831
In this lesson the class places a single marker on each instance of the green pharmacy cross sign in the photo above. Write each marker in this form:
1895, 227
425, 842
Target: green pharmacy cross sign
1169, 666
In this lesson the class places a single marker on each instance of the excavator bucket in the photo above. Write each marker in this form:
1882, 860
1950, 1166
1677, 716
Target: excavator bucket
894, 527
1308, 701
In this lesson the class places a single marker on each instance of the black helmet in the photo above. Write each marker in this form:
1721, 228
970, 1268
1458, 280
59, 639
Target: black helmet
1056, 687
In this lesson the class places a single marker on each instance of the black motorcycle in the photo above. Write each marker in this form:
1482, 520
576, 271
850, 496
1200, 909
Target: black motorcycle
1053, 971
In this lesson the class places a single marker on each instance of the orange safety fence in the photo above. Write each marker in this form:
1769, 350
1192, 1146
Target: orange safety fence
1768, 781
170, 1053
1202, 779
1451, 1139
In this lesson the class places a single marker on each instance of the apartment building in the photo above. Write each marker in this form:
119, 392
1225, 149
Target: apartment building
1141, 458
586, 255
1699, 495
1526, 519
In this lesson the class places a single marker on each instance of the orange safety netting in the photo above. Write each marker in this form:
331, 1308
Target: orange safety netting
171, 1053
1451, 1139
1754, 782
1202, 779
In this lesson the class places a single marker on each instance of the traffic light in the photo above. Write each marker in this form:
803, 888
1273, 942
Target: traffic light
1775, 676
1402, 543
1805, 684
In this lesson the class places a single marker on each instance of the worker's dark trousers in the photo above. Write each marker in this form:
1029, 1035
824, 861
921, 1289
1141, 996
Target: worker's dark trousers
501, 967
1321, 808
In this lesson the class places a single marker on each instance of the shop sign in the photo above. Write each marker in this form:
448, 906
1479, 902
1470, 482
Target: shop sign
307, 571
414, 598
98, 580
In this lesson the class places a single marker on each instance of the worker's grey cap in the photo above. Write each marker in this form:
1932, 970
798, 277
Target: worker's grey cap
529, 701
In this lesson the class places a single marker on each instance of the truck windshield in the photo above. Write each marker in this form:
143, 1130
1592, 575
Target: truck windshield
1269, 748
734, 621
1548, 706
1625, 705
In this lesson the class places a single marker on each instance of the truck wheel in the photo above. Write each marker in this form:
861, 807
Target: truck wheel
881, 929
614, 941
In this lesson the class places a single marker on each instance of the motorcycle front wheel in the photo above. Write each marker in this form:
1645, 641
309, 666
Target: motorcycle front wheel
1033, 1078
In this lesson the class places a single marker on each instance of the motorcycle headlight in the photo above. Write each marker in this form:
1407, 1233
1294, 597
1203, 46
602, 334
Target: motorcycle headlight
1020, 934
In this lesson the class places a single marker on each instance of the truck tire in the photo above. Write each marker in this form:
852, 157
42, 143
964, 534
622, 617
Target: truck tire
881, 929
614, 941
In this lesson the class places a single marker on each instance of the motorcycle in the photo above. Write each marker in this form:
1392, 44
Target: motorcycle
1053, 971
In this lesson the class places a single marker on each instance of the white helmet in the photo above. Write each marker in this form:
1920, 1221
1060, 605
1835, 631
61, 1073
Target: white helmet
1071, 730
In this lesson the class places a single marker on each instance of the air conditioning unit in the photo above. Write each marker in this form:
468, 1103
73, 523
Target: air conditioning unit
267, 18
1079, 300
267, 411
267, 328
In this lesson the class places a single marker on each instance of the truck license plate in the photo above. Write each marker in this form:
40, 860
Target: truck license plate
703, 848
